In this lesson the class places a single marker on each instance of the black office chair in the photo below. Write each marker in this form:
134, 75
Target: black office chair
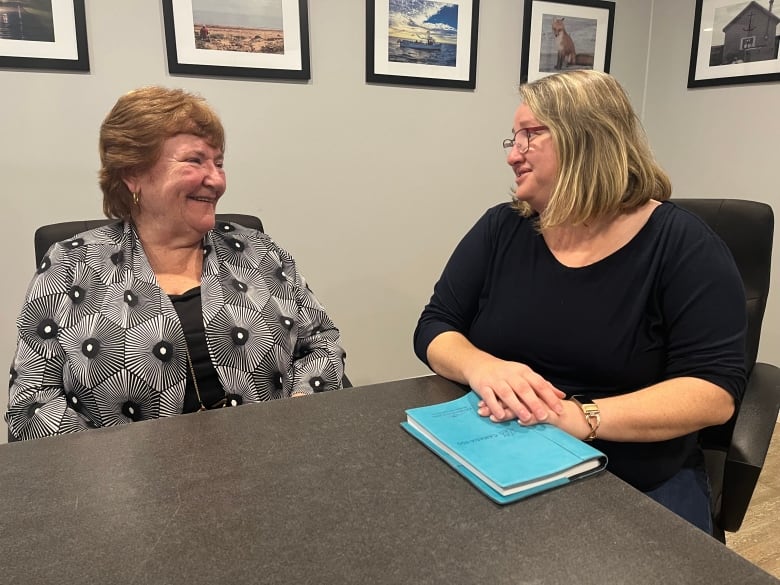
735, 452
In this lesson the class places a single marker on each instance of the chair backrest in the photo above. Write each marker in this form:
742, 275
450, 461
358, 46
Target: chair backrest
47, 235
747, 228
735, 452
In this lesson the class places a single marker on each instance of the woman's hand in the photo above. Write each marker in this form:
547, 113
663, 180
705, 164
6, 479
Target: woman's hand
513, 390
571, 418
672, 408
508, 389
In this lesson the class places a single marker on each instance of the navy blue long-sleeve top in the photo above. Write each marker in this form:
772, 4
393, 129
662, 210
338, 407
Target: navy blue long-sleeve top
668, 304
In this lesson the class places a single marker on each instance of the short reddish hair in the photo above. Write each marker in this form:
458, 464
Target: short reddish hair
132, 135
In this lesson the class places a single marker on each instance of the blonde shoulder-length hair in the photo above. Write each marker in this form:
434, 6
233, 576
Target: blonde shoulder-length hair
604, 160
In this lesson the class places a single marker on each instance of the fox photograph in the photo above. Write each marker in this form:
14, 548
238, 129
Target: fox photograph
566, 35
572, 43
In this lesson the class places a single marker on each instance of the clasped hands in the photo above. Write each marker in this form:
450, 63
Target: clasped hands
512, 390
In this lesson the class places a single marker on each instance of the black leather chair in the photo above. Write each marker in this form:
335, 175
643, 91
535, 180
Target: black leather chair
47, 235
735, 452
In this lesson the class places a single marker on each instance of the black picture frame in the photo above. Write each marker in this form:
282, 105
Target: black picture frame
57, 41
589, 30
733, 43
199, 48
407, 54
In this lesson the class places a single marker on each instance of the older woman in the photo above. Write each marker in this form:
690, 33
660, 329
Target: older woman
592, 286
164, 312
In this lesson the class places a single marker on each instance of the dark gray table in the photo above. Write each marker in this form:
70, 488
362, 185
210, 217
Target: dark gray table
324, 489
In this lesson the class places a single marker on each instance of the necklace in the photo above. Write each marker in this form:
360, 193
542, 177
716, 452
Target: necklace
221, 403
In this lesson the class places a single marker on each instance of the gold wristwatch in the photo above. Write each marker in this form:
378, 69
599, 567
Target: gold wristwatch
591, 412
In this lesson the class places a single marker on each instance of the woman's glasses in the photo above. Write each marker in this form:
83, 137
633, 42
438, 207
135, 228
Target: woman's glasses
521, 140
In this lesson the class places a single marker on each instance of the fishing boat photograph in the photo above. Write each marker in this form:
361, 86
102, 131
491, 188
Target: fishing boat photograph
422, 42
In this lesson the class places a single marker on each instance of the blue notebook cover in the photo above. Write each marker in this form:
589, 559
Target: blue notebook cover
506, 461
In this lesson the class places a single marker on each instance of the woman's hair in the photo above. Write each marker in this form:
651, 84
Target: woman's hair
605, 163
133, 133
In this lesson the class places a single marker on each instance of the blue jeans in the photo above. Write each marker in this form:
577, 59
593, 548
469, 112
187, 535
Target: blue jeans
687, 494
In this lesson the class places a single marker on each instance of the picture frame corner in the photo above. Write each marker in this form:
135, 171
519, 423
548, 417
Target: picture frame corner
225, 62
68, 52
596, 8
418, 67
743, 56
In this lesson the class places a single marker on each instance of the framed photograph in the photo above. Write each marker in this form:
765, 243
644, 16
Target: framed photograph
422, 42
43, 34
734, 42
238, 38
565, 35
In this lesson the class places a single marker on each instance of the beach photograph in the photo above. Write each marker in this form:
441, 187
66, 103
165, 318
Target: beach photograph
26, 20
245, 26
422, 32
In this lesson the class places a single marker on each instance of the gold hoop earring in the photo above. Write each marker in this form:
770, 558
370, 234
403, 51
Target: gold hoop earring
135, 198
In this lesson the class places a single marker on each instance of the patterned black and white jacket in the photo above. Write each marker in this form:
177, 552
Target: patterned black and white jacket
101, 344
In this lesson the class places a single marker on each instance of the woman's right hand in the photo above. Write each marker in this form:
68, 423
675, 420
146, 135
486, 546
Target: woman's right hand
513, 390
508, 389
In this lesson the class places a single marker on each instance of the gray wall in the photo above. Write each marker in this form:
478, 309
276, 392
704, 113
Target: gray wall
714, 142
369, 187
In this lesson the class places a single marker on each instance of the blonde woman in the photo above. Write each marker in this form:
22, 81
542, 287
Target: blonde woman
591, 284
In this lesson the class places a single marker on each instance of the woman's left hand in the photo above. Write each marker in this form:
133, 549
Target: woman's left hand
571, 419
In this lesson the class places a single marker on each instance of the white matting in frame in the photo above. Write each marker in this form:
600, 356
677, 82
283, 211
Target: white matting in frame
429, 43
711, 17
383, 66
65, 45
293, 62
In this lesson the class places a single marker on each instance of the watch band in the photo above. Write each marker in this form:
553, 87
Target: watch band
591, 412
